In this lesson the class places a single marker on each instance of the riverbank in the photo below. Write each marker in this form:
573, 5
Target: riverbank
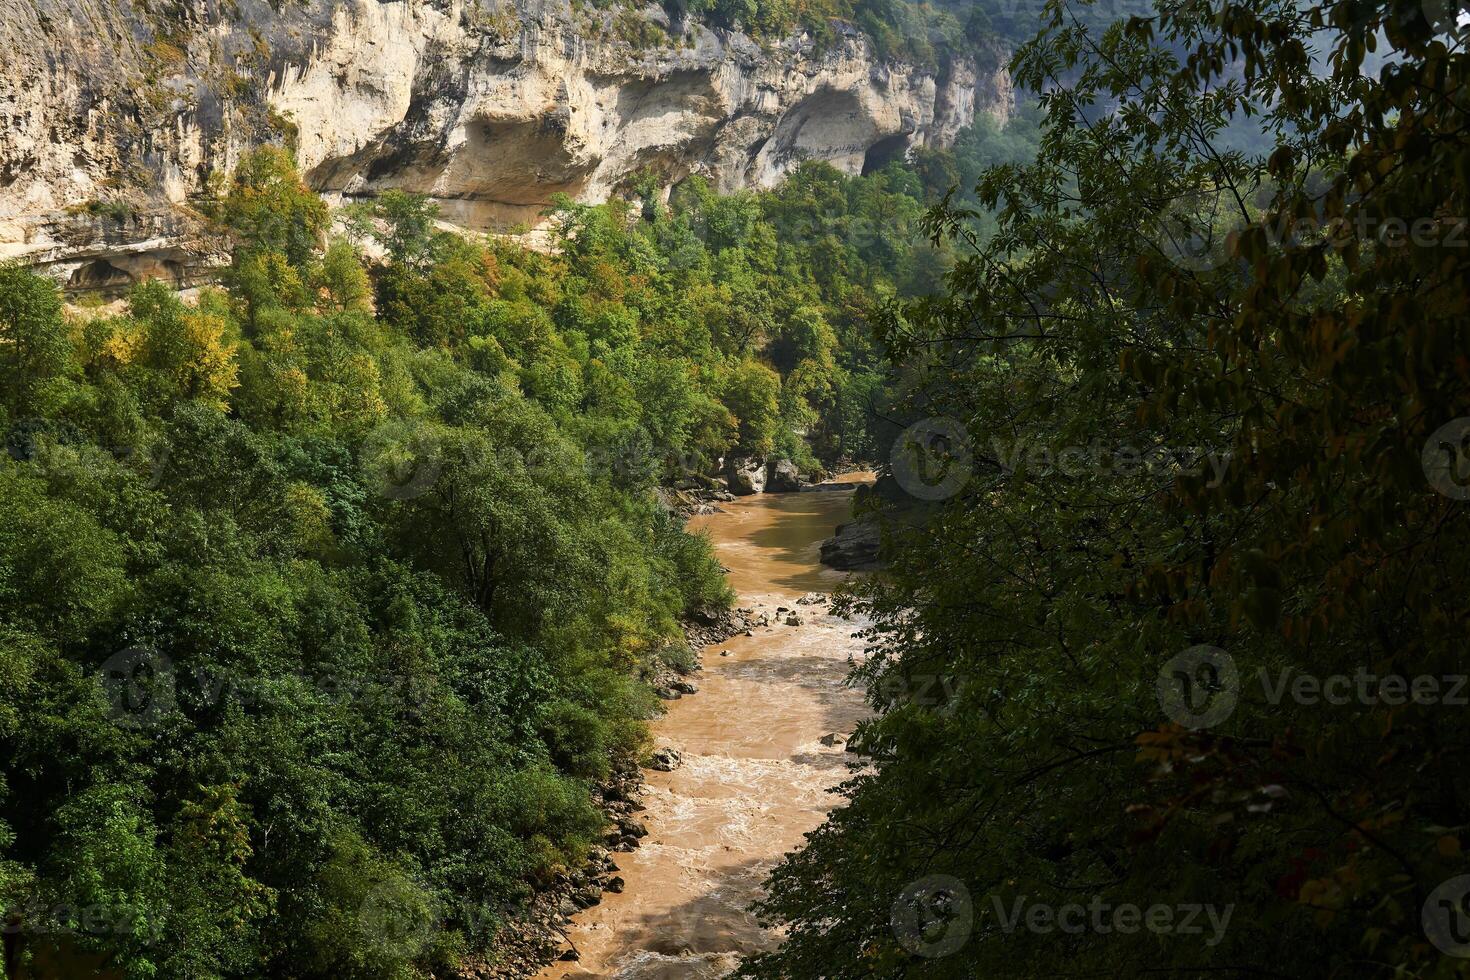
745, 767
538, 937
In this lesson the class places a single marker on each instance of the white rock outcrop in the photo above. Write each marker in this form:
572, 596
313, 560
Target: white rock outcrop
112, 118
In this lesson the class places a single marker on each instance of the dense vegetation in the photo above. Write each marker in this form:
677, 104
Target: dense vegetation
326, 597
1149, 299
921, 34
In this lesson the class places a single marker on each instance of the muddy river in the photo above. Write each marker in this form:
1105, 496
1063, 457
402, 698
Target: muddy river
756, 771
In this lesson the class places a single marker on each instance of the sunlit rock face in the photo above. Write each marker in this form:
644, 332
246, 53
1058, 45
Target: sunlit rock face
114, 116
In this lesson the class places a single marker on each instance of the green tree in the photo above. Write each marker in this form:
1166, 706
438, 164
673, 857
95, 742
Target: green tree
270, 209
342, 281
751, 391
404, 225
34, 346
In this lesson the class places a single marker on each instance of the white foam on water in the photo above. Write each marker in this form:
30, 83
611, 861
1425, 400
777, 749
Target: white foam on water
648, 964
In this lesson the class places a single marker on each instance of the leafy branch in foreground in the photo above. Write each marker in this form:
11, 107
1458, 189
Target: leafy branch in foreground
1196, 608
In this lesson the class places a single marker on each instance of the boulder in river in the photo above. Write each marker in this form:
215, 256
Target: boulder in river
782, 476
854, 547
665, 760
745, 475
631, 827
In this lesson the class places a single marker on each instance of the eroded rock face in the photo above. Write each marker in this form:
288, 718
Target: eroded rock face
782, 476
746, 476
115, 115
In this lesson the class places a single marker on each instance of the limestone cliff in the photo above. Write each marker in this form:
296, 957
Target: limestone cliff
114, 114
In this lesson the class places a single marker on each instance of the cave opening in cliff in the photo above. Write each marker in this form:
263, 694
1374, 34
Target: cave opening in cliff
98, 274
885, 151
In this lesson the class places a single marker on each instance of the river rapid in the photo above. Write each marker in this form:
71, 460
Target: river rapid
756, 772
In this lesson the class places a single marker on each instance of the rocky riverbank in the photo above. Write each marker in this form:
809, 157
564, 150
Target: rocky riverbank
538, 936
697, 496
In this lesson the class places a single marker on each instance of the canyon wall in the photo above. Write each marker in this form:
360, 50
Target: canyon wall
115, 115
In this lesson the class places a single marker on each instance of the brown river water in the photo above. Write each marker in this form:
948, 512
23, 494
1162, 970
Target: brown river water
755, 774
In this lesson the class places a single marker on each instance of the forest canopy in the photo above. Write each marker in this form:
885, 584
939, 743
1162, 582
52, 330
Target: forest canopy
339, 586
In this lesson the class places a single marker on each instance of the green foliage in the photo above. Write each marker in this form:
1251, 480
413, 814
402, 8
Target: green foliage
61, 570
270, 209
34, 348
403, 225
341, 281
1028, 622
752, 391
325, 598
922, 34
